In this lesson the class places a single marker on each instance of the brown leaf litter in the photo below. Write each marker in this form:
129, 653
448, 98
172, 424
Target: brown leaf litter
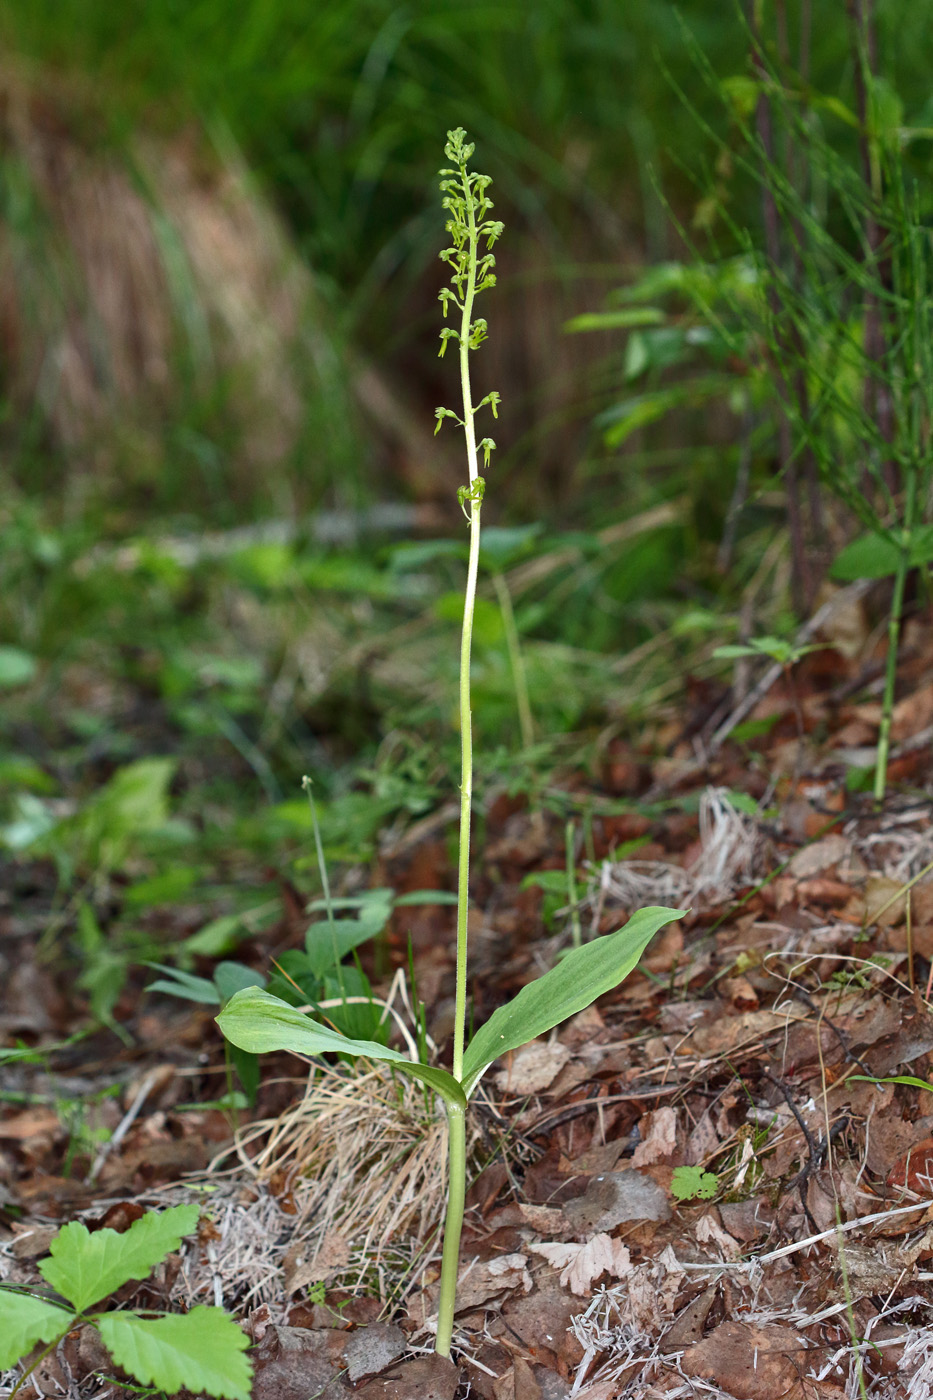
738, 1059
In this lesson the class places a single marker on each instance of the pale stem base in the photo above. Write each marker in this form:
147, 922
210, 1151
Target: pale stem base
456, 1194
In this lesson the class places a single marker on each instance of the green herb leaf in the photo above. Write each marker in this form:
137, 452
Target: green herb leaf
258, 1022
86, 1267
688, 1183
577, 980
24, 1321
200, 1351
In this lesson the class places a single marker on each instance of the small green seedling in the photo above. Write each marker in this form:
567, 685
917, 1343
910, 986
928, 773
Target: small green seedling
781, 651
200, 1351
257, 1021
693, 1183
910, 1080
784, 654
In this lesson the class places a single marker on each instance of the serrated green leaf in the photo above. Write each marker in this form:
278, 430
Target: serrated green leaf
259, 1022
26, 1320
200, 1351
577, 980
690, 1183
86, 1267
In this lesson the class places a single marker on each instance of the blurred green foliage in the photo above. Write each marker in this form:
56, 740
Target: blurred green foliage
338, 106
159, 711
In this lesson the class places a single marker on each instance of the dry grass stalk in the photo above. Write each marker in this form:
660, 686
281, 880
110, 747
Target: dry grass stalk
369, 1154
145, 280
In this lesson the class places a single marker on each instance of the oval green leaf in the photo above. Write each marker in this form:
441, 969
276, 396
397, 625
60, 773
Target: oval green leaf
577, 980
259, 1022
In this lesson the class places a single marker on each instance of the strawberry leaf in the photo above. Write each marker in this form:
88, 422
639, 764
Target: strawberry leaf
200, 1351
86, 1267
25, 1320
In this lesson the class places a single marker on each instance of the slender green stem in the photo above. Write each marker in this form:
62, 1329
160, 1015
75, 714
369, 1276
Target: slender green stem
466, 791
38, 1361
325, 883
570, 854
894, 635
516, 660
465, 197
887, 703
453, 1224
466, 327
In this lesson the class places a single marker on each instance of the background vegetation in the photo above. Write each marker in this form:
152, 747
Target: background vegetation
219, 309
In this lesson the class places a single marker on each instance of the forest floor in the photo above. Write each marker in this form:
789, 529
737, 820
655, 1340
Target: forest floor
697, 1187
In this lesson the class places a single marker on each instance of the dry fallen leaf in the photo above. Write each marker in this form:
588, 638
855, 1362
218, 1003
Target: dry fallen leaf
709, 1231
301, 1271
532, 1068
659, 1137
582, 1263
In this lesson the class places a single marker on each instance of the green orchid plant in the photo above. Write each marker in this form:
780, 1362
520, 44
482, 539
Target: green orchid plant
254, 1020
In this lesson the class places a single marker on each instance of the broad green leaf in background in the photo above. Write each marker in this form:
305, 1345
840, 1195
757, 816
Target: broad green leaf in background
134, 800
24, 1321
327, 943
17, 667
217, 937
231, 977
620, 421
86, 1267
199, 1351
258, 1022
577, 980
878, 556
247, 1068
32, 820
168, 887
503, 545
